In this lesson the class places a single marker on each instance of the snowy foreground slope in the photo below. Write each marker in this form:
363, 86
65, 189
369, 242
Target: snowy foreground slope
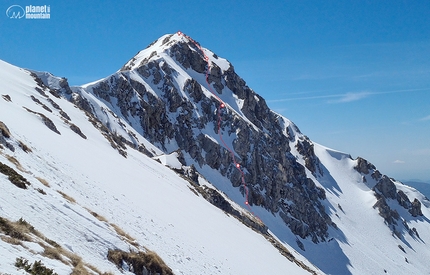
110, 165
149, 201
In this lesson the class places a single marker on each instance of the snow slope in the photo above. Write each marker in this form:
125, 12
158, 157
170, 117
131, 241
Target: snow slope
364, 243
143, 197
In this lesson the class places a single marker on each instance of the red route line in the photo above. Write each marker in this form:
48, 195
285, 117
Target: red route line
221, 106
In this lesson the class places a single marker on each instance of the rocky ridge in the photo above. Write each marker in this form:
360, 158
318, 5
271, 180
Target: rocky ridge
176, 113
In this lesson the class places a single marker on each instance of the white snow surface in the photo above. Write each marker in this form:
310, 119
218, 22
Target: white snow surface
141, 196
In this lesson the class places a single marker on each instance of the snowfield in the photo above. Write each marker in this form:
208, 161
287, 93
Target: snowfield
141, 196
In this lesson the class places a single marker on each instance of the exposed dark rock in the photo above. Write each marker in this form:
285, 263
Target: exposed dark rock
389, 215
403, 199
7, 98
215, 77
40, 103
386, 187
306, 149
47, 121
64, 115
77, 130
14, 177
415, 209
376, 175
189, 56
194, 89
55, 105
81, 102
363, 166
65, 86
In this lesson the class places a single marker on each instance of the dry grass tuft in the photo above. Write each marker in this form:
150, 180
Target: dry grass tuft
21, 230
4, 131
18, 230
52, 253
24, 147
67, 197
125, 236
140, 261
43, 181
11, 240
80, 269
99, 217
16, 163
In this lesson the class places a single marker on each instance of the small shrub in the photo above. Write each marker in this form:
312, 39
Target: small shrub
13, 230
37, 268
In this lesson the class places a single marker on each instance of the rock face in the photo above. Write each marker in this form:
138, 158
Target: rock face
415, 208
386, 192
181, 114
386, 187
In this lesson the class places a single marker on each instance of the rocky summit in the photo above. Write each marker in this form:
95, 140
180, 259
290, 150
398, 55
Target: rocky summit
183, 106
160, 93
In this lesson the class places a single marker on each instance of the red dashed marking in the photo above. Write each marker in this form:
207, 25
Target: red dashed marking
222, 105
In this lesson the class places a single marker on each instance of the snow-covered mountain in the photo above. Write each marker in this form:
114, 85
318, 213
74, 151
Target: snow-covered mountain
175, 154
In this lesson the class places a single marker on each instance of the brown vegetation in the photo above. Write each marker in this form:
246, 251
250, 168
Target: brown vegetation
4, 131
141, 262
43, 181
67, 197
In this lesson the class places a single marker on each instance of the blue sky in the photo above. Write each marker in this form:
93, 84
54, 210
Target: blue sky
353, 75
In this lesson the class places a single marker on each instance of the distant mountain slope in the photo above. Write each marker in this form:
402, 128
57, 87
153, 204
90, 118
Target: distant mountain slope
177, 104
423, 187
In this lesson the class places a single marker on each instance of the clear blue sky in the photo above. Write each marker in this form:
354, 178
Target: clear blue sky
353, 75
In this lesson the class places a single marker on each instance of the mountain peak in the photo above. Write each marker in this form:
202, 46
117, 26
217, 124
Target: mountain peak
170, 45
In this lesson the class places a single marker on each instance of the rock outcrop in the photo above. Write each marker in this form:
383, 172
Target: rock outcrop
385, 190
